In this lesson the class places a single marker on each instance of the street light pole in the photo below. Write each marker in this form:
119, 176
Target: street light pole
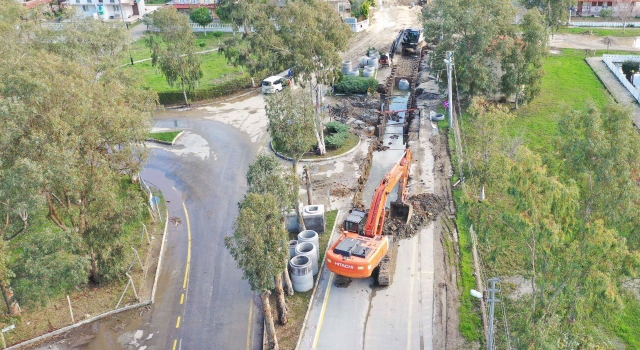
492, 300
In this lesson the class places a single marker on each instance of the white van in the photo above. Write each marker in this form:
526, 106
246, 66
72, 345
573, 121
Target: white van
273, 84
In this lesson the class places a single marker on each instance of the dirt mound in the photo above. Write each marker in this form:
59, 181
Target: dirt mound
341, 191
426, 207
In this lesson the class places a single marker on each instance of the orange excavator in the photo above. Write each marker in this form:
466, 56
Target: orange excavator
362, 250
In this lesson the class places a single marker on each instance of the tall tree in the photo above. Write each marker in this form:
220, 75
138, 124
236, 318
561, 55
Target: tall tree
258, 248
201, 16
267, 175
598, 146
555, 12
173, 50
275, 44
485, 144
472, 29
291, 125
522, 61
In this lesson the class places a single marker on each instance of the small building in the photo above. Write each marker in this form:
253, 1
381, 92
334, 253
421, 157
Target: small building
594, 8
127, 10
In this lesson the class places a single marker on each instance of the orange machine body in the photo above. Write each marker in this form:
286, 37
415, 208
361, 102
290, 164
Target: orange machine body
361, 247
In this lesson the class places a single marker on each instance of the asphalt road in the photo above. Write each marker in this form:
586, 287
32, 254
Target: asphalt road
202, 302
208, 167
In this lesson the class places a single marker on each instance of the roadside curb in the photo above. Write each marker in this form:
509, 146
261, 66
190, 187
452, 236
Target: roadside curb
315, 288
308, 160
106, 314
166, 142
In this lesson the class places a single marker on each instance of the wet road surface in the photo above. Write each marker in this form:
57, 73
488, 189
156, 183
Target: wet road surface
201, 301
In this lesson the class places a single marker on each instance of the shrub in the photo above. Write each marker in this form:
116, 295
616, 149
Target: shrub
222, 89
336, 127
606, 13
630, 67
336, 140
356, 85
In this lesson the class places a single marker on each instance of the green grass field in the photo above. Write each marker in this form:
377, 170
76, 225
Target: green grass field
214, 68
614, 32
568, 84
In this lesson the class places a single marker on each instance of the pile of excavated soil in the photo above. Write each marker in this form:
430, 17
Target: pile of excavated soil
426, 206
341, 190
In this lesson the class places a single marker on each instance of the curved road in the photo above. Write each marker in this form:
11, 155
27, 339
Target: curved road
201, 302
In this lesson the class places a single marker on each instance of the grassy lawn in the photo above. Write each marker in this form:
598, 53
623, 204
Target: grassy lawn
615, 32
166, 136
140, 50
626, 325
214, 67
568, 84
298, 303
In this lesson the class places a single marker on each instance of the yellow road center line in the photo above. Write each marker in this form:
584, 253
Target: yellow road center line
186, 271
175, 342
182, 299
324, 309
250, 325
413, 277
178, 322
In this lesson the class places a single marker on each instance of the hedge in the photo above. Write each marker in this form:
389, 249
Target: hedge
336, 127
225, 88
356, 85
336, 140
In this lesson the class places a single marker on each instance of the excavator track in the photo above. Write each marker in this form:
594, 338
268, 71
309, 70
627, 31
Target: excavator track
385, 269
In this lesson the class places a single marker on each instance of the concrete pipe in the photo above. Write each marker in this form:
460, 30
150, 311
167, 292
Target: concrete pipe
292, 248
301, 268
309, 250
309, 236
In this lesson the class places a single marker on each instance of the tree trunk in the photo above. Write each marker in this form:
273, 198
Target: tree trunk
287, 282
184, 92
272, 341
283, 314
12, 304
94, 267
298, 211
308, 181
322, 150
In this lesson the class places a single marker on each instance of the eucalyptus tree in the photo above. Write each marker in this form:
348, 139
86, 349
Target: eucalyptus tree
173, 50
258, 249
305, 37
95, 44
555, 12
267, 175
473, 29
599, 149
522, 61
485, 141
291, 125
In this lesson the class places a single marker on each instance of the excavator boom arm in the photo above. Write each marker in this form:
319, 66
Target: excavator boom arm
398, 174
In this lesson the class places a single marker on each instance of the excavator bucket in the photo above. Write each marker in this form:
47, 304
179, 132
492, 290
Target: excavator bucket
401, 211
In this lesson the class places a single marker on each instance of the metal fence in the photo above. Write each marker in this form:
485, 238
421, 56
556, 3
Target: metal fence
611, 60
604, 24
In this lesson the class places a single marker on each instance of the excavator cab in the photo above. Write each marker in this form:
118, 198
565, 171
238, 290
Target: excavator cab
355, 222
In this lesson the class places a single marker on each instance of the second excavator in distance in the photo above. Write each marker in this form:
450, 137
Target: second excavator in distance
362, 249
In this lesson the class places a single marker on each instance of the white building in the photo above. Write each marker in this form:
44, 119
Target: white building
130, 10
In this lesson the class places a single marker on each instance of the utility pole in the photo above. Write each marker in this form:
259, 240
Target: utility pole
492, 299
449, 62
127, 26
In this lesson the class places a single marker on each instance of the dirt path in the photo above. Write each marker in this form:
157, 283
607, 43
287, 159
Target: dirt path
591, 42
